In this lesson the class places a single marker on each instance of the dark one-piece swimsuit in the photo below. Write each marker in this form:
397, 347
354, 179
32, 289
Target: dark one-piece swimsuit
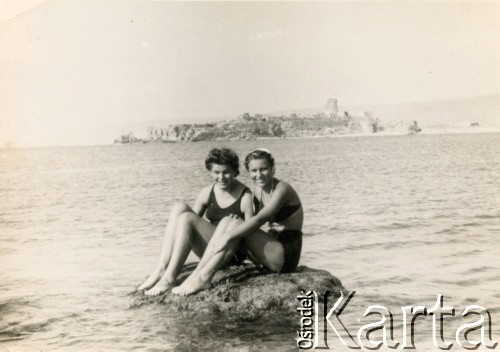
291, 240
214, 213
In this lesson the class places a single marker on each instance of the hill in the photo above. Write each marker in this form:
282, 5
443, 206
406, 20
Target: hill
484, 110
475, 114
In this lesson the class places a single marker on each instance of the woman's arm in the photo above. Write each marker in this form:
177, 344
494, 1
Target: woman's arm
201, 202
247, 205
279, 198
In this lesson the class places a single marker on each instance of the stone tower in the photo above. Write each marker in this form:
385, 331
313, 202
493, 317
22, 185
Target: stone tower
331, 108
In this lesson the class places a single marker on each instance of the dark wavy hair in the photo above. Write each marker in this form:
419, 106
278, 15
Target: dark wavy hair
223, 156
259, 154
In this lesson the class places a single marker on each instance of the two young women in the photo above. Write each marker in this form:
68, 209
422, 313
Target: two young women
236, 220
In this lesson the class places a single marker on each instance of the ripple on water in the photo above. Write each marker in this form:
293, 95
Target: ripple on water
488, 216
479, 269
13, 318
462, 253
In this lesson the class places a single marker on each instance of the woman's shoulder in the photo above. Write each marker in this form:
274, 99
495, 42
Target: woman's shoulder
246, 197
243, 191
205, 192
283, 186
286, 190
246, 192
245, 187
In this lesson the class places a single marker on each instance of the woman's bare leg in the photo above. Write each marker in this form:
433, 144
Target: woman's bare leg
168, 243
211, 261
191, 233
262, 246
224, 225
266, 250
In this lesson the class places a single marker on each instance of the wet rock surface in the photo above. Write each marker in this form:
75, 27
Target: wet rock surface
245, 293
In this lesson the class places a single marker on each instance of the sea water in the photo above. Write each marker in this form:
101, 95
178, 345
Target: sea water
398, 219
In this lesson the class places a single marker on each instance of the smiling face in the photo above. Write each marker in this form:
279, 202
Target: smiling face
261, 172
223, 175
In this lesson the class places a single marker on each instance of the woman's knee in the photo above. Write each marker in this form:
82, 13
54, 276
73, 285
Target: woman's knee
185, 222
187, 218
227, 221
269, 254
180, 208
275, 267
273, 263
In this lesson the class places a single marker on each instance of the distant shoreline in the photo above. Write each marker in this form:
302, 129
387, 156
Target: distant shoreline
425, 131
391, 134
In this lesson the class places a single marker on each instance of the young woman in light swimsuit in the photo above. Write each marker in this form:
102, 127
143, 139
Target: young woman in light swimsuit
187, 230
277, 246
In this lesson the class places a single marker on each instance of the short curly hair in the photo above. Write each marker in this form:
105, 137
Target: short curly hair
259, 154
223, 156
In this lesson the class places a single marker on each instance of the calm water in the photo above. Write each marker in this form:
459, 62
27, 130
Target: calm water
398, 219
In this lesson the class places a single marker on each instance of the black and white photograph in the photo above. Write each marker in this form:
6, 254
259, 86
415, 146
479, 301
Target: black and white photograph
249, 175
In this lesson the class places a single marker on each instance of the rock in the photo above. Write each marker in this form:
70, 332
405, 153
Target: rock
403, 127
246, 293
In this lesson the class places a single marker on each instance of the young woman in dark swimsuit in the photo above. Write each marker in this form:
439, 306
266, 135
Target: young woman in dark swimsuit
276, 246
187, 230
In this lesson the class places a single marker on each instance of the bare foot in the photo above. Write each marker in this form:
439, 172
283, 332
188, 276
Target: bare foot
192, 285
150, 281
177, 290
163, 285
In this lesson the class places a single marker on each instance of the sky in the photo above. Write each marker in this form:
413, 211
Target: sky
82, 72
